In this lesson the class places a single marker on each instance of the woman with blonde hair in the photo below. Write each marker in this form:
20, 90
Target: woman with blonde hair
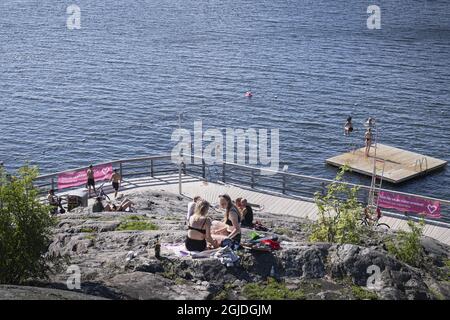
199, 229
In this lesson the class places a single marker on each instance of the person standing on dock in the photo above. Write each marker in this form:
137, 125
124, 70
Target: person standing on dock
90, 179
368, 139
116, 179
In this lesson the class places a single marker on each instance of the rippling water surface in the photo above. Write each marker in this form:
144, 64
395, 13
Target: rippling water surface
114, 88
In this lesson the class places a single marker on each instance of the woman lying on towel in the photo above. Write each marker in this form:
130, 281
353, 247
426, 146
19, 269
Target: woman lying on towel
230, 228
199, 229
125, 206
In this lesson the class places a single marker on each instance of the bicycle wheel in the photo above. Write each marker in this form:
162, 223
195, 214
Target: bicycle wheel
383, 226
105, 195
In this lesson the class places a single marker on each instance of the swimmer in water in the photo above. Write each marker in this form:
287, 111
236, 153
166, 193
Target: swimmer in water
348, 127
369, 123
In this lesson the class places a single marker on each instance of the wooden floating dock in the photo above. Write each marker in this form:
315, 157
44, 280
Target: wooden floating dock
400, 165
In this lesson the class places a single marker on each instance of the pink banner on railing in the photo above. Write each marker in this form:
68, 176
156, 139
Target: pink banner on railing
78, 178
403, 203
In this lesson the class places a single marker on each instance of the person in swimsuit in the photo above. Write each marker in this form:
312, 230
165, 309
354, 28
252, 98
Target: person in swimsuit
116, 180
247, 214
368, 140
348, 127
125, 206
199, 229
54, 202
191, 207
232, 218
90, 179
98, 205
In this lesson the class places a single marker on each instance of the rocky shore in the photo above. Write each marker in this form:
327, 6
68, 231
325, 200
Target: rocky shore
100, 243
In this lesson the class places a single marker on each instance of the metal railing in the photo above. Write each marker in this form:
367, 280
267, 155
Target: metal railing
292, 185
278, 182
128, 168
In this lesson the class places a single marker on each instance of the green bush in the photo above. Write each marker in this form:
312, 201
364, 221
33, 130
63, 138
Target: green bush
407, 246
447, 266
25, 229
272, 290
340, 214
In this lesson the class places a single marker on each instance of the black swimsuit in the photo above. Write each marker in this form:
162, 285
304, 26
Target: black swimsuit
236, 238
196, 245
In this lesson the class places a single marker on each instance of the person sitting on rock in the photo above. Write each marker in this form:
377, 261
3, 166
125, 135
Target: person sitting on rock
125, 206
247, 214
199, 229
231, 224
191, 207
98, 205
238, 203
54, 202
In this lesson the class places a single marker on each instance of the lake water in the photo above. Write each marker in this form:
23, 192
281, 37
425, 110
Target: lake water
114, 88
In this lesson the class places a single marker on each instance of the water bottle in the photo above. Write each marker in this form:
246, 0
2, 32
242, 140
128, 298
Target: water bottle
272, 272
157, 248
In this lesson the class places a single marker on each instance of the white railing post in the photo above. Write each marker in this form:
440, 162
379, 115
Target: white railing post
180, 184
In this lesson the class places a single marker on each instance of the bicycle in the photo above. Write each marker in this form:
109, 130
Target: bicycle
368, 221
100, 192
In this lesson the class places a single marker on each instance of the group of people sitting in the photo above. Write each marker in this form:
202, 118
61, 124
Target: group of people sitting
204, 233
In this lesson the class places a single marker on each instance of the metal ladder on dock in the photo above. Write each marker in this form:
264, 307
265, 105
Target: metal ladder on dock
375, 186
377, 178
419, 164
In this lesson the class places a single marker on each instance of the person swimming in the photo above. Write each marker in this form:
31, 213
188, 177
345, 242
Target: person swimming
370, 122
348, 127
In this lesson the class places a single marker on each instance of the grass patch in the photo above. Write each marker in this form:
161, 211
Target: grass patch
133, 218
363, 294
447, 267
284, 231
87, 230
136, 225
180, 281
436, 294
90, 237
272, 290
224, 294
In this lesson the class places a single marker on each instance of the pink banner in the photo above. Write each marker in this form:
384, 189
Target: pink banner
78, 178
409, 204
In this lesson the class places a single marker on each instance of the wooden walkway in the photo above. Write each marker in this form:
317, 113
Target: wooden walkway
271, 203
400, 165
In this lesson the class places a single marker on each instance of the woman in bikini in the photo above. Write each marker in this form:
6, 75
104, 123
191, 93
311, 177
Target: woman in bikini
368, 140
199, 229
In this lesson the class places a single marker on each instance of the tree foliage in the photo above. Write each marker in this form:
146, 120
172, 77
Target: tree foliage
340, 213
25, 228
407, 246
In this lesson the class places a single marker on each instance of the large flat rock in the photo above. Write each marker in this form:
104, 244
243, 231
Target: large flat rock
9, 292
